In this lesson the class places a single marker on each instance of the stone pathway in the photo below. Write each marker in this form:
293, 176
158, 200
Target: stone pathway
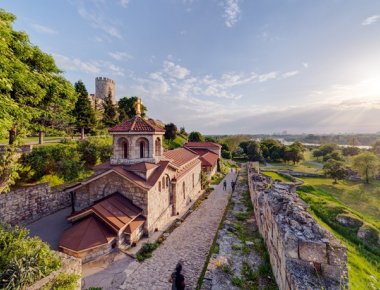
239, 249
189, 243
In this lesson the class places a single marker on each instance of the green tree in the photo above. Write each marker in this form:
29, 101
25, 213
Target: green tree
272, 149
243, 145
294, 152
335, 169
33, 93
367, 165
254, 152
182, 131
196, 137
376, 147
335, 155
83, 111
350, 151
170, 131
110, 113
127, 108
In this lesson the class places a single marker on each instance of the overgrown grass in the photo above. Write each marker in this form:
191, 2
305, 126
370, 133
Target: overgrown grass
177, 142
275, 176
146, 251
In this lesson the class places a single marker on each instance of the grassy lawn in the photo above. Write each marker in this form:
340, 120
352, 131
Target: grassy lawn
33, 140
363, 198
275, 176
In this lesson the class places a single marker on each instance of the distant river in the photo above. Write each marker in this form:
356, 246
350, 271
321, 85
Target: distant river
283, 141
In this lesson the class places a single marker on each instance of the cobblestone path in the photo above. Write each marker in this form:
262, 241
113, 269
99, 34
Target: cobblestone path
189, 243
238, 255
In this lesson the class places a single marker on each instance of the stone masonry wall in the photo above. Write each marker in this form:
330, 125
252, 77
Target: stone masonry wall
28, 204
70, 265
303, 255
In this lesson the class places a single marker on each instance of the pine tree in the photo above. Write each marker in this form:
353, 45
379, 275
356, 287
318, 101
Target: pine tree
109, 115
83, 111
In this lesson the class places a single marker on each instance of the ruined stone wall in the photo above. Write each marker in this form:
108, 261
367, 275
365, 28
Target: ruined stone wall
303, 255
30, 203
70, 265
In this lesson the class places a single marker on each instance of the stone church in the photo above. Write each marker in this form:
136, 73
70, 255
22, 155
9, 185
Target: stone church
134, 194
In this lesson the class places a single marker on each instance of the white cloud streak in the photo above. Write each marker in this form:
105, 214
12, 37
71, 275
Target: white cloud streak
124, 3
96, 19
43, 29
370, 20
231, 12
120, 55
89, 67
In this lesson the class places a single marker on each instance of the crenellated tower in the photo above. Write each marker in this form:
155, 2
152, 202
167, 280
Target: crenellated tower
103, 86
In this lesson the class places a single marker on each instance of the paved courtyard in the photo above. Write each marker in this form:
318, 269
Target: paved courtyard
51, 227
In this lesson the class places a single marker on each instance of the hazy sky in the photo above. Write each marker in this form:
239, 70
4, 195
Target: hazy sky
223, 66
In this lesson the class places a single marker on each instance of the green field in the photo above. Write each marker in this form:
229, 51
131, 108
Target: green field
275, 176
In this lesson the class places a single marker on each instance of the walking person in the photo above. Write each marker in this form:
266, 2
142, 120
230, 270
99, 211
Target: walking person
224, 185
177, 279
233, 185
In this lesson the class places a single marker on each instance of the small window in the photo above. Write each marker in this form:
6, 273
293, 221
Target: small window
163, 182
159, 186
184, 190
193, 181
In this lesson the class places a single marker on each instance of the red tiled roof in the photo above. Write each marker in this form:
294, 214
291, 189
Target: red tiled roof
180, 156
187, 167
137, 124
209, 159
142, 166
202, 145
86, 234
134, 225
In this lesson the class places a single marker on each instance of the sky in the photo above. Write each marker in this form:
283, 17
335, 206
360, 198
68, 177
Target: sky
222, 66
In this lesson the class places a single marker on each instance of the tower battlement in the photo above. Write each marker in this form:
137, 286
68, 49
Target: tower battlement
103, 86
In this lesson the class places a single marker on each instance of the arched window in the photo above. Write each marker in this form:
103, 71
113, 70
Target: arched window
158, 147
184, 190
125, 149
167, 181
193, 181
143, 147
163, 182
159, 186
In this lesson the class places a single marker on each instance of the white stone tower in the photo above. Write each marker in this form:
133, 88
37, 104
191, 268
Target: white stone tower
103, 86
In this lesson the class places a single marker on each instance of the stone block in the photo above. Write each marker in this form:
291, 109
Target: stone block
337, 255
313, 251
334, 272
291, 246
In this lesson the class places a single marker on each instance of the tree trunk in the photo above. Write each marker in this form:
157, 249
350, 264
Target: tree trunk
40, 137
12, 135
82, 133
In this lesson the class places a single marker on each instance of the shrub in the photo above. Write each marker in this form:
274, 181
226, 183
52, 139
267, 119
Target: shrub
146, 251
88, 152
23, 260
63, 282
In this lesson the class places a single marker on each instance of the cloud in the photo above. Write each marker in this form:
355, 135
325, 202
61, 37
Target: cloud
370, 20
305, 64
43, 29
231, 12
90, 67
267, 76
289, 74
119, 55
96, 19
124, 3
75, 64
175, 70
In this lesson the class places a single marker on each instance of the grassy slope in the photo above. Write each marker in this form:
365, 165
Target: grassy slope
177, 142
326, 201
